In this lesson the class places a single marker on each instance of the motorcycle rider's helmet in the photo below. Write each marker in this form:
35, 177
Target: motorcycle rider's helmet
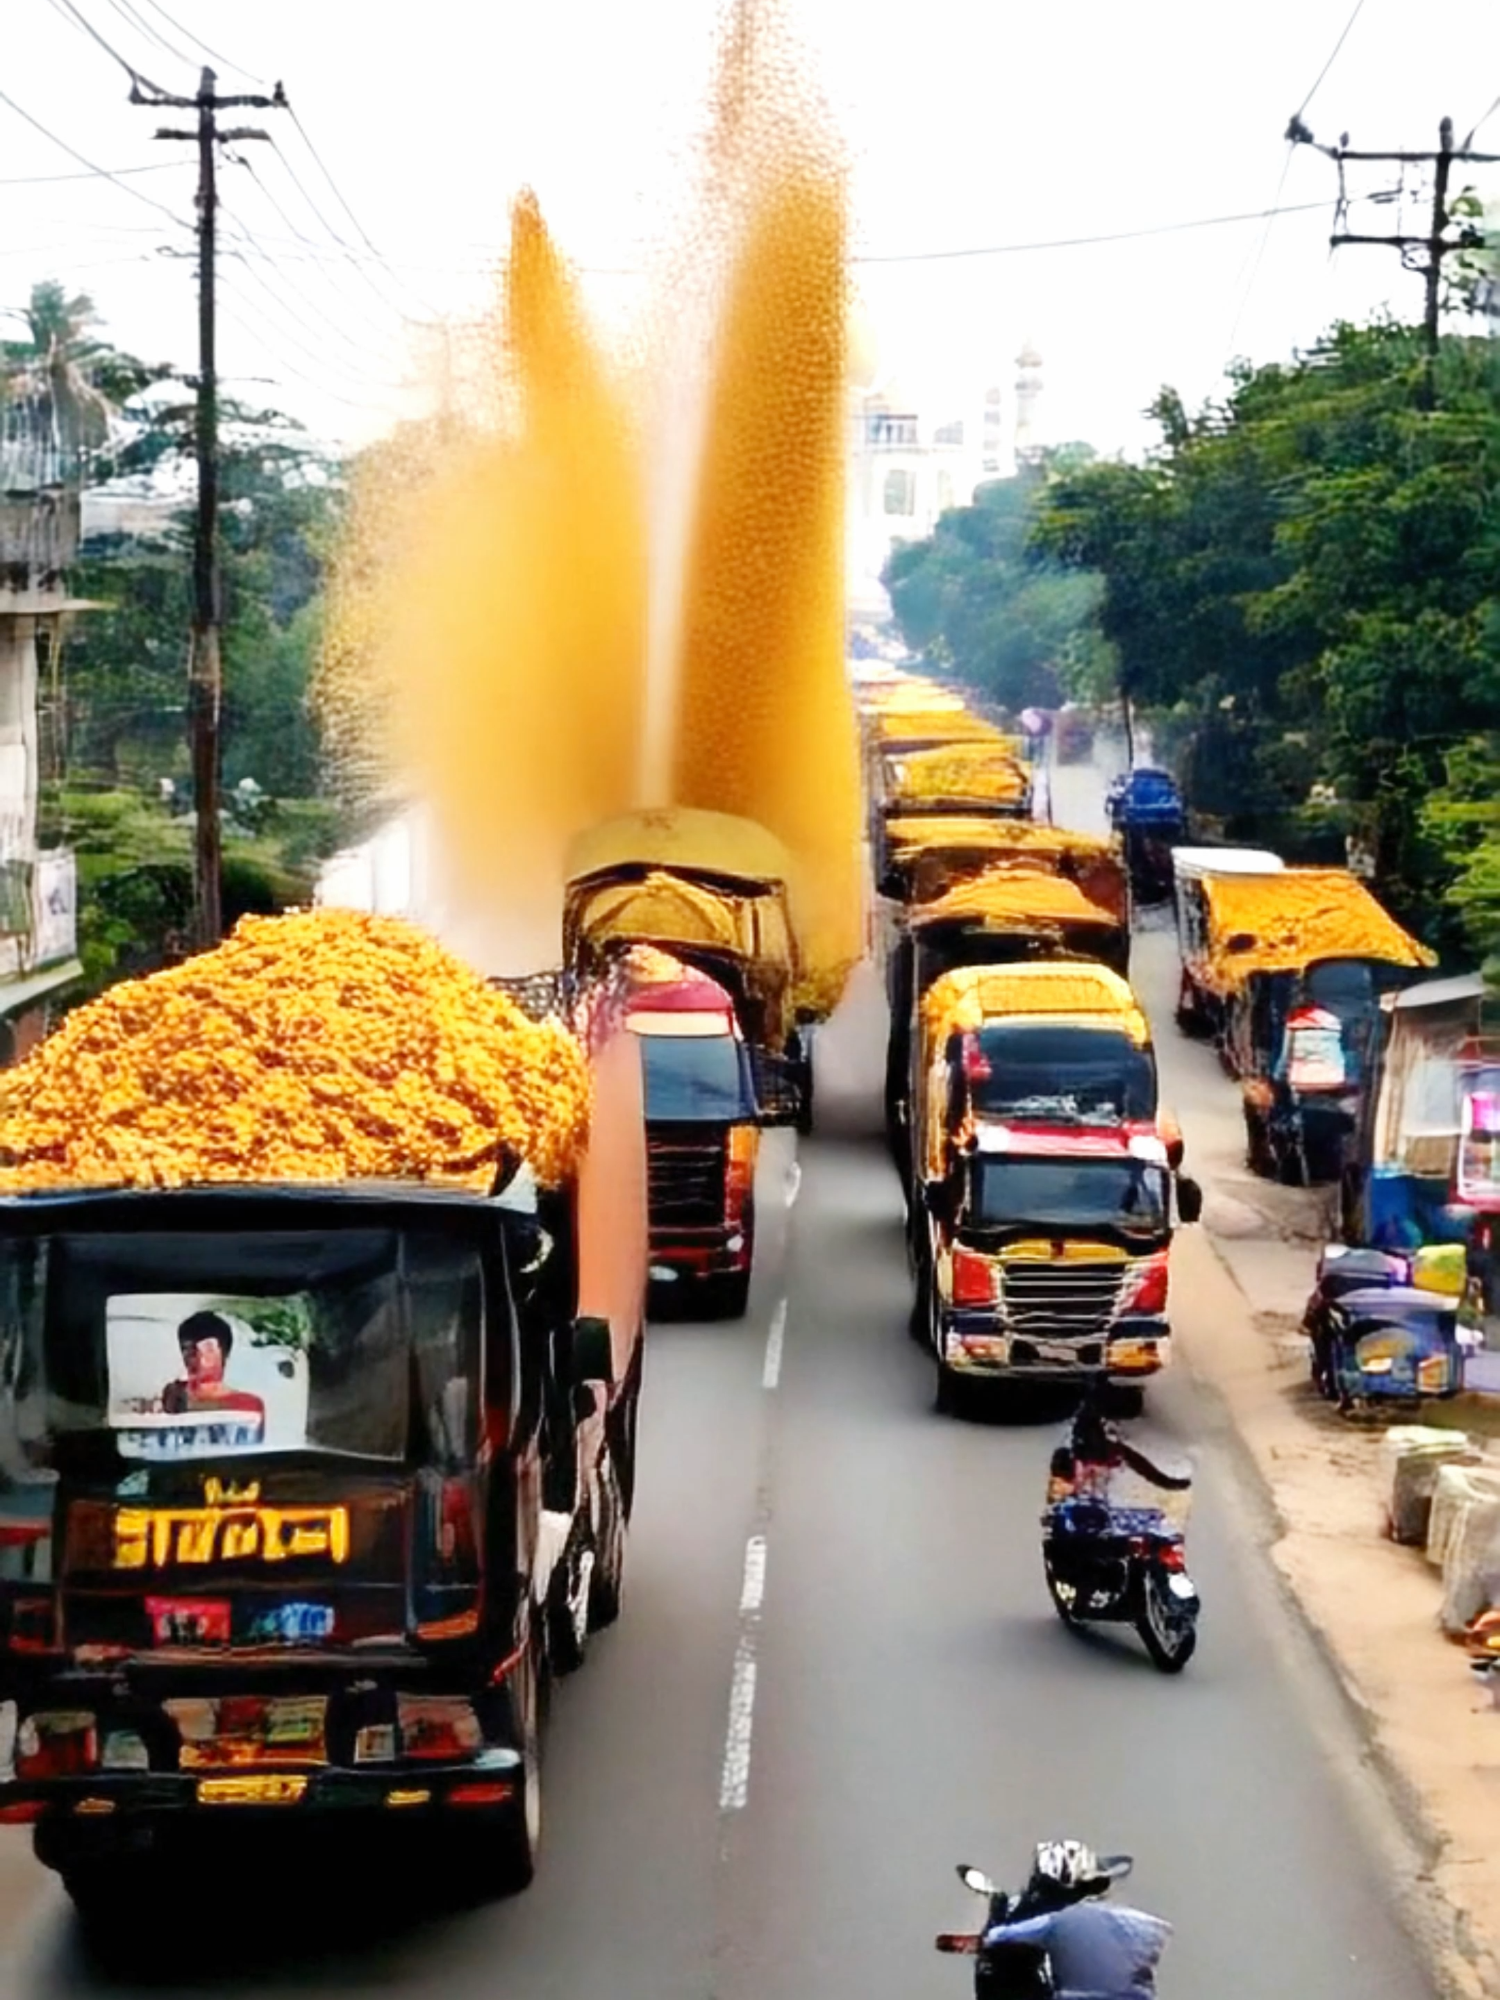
1067, 1870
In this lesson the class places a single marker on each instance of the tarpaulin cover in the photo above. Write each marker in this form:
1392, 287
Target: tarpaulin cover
964, 771
685, 839
1061, 989
925, 729
1296, 916
1012, 899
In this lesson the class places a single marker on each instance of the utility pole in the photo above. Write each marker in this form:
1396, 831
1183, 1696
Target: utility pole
1437, 244
205, 671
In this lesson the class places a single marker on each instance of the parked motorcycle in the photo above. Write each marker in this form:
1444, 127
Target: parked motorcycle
1108, 1563
1011, 1971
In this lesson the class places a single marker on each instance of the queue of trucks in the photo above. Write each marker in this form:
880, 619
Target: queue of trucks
1042, 1176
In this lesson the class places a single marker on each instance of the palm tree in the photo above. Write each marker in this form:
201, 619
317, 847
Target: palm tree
59, 389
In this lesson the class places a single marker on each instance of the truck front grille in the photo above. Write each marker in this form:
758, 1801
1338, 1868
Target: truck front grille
686, 1180
1061, 1301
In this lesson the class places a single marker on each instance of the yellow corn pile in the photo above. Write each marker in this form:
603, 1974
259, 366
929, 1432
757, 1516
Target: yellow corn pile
320, 1046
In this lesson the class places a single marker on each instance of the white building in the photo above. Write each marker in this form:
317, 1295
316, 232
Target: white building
911, 458
38, 888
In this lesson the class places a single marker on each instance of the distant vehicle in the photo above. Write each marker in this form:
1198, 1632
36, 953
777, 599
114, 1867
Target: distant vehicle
1149, 819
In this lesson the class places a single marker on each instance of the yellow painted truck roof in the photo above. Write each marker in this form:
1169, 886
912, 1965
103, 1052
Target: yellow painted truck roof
1061, 989
1282, 922
684, 839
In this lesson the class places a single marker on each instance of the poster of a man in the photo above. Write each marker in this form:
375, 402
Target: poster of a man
192, 1376
206, 1340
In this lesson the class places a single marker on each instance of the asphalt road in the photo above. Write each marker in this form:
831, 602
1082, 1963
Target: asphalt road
837, 1674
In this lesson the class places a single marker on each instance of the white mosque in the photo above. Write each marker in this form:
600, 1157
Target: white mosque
912, 457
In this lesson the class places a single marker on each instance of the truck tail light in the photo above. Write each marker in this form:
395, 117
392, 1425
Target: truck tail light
973, 1279
739, 1169
1145, 1289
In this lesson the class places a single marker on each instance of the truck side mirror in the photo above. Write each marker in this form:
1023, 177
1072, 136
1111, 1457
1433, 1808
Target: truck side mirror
593, 1350
1189, 1200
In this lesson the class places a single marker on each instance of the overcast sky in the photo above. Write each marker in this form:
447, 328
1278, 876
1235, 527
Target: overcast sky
970, 123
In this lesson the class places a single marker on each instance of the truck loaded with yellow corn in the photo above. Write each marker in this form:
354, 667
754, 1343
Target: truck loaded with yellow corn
321, 1280
1286, 968
1021, 1096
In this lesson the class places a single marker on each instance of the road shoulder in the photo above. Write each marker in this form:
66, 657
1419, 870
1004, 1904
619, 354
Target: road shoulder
1371, 1606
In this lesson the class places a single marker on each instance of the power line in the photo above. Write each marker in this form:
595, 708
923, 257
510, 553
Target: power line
392, 304
104, 173
70, 13
133, 19
1084, 242
113, 173
1483, 121
1260, 253
1318, 79
338, 192
199, 43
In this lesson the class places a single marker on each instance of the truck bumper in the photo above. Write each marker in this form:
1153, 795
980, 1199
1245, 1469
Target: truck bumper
980, 1343
106, 1812
696, 1257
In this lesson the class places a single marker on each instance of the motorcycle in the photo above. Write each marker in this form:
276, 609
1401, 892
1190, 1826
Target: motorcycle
1113, 1564
1011, 1971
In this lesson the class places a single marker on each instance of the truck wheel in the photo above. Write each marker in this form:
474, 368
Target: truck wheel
491, 1853
950, 1397
1258, 1154
608, 1575
1124, 1399
727, 1297
568, 1597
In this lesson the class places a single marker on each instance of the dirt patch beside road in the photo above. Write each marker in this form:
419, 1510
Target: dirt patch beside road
1372, 1604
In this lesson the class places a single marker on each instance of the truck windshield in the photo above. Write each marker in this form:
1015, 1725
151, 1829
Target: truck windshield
1128, 1195
697, 1079
168, 1348
1061, 1073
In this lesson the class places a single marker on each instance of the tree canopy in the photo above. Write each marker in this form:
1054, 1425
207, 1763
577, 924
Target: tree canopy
979, 598
1309, 572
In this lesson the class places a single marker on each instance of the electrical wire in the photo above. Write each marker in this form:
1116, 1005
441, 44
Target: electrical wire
1318, 79
1481, 122
364, 234
392, 304
287, 328
104, 173
1081, 242
69, 12
114, 173
288, 368
199, 43
1261, 247
138, 22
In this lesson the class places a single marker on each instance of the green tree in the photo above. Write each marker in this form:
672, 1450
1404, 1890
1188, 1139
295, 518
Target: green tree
1311, 571
977, 598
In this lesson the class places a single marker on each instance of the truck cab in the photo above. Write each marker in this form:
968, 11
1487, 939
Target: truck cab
1049, 1256
702, 1138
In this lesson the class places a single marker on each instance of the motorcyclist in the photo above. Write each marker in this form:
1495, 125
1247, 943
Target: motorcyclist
1096, 1953
1094, 1450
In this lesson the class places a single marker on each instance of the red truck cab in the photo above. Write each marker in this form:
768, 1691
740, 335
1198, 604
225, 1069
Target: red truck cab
702, 1137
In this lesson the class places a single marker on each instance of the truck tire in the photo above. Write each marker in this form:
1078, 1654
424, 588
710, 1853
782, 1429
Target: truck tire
487, 1853
950, 1394
608, 1577
569, 1592
1258, 1154
728, 1297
